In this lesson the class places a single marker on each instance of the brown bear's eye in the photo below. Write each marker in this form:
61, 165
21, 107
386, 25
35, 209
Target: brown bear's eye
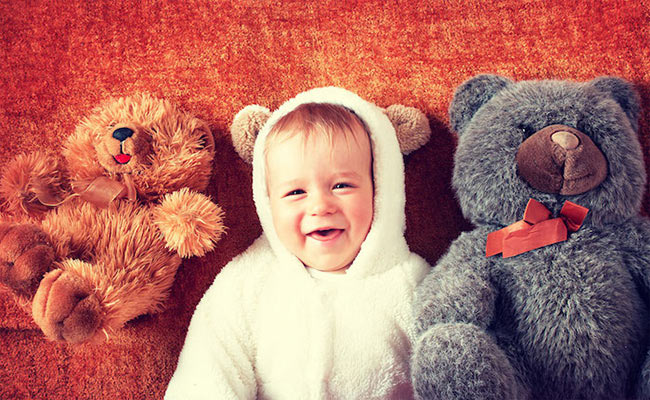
203, 142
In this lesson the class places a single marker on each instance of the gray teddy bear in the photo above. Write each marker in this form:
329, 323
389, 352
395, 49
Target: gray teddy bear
554, 305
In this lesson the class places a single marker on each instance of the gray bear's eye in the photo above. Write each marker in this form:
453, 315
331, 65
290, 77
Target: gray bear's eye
526, 130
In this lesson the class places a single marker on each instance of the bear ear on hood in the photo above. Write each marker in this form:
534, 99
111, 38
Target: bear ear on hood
411, 127
244, 129
623, 93
471, 95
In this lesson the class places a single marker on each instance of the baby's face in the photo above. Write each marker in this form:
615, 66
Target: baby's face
321, 197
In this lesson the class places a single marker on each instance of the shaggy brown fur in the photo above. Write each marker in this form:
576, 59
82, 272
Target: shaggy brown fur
108, 255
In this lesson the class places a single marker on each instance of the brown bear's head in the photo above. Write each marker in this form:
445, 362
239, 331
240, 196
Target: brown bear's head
144, 141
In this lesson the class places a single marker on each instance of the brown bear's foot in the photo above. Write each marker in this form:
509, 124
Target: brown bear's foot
65, 308
25, 256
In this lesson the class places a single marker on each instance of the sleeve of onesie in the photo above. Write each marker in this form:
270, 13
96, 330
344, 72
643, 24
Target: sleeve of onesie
216, 360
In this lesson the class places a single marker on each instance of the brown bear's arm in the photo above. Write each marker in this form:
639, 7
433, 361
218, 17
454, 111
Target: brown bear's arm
31, 184
189, 222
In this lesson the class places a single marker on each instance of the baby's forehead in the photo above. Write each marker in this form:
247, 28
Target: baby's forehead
319, 155
356, 142
313, 120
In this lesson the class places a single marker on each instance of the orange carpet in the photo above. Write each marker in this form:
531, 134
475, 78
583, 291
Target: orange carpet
58, 59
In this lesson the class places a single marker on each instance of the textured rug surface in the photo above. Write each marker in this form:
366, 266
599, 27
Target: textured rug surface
59, 59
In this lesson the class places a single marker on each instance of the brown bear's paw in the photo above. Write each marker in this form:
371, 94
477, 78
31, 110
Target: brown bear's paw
25, 256
31, 184
65, 308
190, 222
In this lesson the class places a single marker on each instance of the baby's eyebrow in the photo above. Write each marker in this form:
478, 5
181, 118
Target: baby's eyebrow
289, 183
347, 175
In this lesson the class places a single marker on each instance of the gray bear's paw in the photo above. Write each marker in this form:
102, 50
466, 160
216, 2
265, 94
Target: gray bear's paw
461, 361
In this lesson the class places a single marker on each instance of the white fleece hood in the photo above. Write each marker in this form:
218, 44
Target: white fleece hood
384, 245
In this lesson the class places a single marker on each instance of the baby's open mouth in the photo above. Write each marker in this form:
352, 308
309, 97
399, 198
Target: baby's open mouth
325, 234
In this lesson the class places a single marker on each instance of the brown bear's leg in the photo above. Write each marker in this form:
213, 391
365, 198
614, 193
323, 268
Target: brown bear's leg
114, 267
66, 308
25, 256
84, 302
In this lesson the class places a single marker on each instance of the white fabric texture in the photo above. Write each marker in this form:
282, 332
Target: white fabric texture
269, 329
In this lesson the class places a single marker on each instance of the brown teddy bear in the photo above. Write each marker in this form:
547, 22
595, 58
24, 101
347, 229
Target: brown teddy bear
93, 238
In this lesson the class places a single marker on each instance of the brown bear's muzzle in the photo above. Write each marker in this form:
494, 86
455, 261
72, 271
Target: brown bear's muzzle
560, 159
123, 148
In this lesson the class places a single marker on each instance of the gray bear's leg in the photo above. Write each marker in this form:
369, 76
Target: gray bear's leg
461, 361
643, 387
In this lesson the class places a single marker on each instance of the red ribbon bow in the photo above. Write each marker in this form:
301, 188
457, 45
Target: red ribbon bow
535, 230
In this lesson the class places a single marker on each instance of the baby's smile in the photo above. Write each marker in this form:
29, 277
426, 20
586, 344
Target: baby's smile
325, 235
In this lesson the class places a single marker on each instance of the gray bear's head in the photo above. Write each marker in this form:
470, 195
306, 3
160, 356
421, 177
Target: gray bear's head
548, 140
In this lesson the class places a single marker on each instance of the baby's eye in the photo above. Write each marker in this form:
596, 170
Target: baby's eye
342, 186
295, 192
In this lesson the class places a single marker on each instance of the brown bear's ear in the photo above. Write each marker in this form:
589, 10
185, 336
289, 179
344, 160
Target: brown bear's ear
411, 126
245, 127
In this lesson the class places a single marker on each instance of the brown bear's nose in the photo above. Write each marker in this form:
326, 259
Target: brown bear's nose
122, 134
566, 140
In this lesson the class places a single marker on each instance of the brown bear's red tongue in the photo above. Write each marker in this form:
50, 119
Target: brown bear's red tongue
122, 158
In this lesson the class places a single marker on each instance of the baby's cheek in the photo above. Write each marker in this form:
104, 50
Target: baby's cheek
287, 225
363, 217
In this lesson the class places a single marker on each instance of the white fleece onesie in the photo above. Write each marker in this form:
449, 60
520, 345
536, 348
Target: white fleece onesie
269, 329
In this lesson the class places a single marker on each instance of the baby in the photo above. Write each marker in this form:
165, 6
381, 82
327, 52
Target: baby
319, 306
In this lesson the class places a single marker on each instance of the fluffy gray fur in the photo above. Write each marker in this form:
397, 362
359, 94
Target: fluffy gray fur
566, 321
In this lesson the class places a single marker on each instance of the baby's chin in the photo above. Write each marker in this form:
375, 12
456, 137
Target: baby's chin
334, 268
326, 256
342, 270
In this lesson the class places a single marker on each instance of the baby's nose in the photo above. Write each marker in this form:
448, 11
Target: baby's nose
322, 204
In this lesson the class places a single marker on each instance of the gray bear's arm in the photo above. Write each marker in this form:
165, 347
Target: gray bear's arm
458, 288
635, 246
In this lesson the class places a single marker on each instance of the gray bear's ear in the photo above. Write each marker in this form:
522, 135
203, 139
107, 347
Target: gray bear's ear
411, 127
245, 127
624, 93
471, 95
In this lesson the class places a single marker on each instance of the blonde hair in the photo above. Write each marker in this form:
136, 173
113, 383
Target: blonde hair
312, 120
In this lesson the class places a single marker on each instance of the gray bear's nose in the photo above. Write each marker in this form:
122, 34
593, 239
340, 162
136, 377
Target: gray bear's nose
566, 140
578, 168
122, 134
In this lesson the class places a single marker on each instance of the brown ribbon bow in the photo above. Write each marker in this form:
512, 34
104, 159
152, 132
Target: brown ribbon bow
535, 230
101, 192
